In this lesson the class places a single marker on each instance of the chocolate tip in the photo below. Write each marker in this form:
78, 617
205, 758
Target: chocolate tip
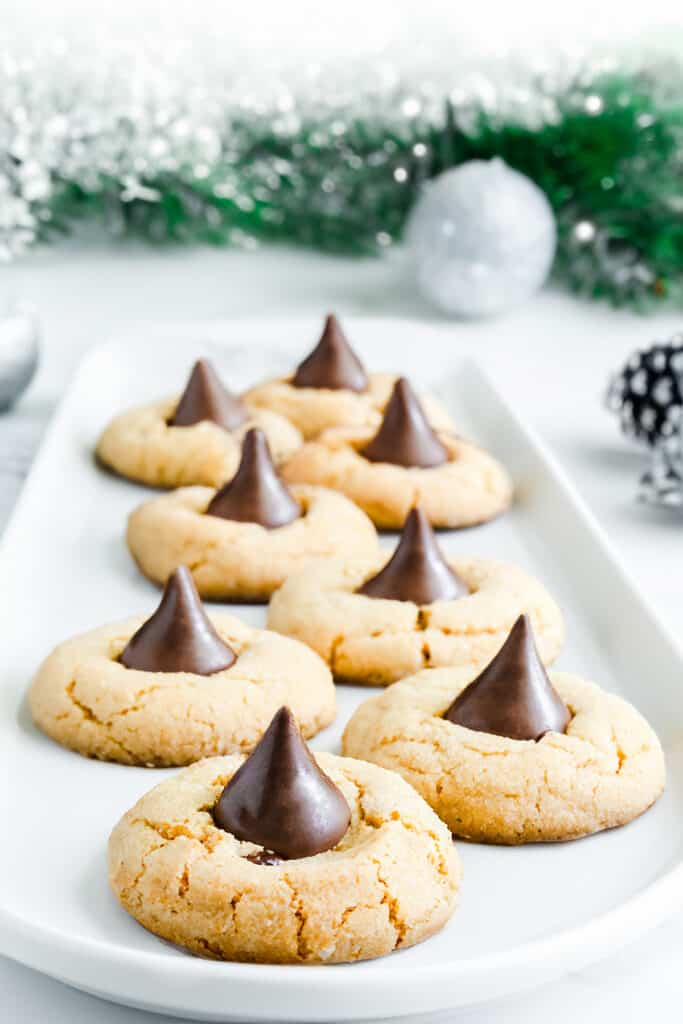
332, 364
280, 799
178, 636
417, 571
255, 440
513, 695
405, 436
284, 719
256, 493
206, 398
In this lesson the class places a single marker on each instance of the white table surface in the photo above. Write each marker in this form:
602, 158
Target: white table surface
555, 351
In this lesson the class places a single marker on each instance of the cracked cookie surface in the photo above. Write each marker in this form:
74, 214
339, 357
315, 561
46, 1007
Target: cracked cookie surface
604, 771
141, 445
232, 560
313, 410
389, 883
376, 641
469, 489
85, 699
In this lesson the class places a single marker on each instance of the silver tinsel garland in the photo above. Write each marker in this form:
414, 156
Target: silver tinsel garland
120, 114
125, 113
167, 142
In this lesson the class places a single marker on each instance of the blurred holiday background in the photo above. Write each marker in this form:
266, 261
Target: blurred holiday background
250, 133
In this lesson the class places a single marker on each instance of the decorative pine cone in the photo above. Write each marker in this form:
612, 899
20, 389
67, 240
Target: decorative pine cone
647, 394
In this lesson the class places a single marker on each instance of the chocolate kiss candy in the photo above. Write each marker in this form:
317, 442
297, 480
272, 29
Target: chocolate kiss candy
332, 363
179, 636
405, 437
255, 494
513, 695
417, 571
206, 398
280, 799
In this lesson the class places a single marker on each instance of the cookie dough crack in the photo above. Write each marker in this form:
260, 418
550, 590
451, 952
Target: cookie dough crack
334, 648
421, 831
364, 815
422, 620
471, 631
184, 882
209, 724
88, 715
393, 908
212, 951
139, 875
297, 907
169, 832
234, 904
619, 752
140, 699
87, 712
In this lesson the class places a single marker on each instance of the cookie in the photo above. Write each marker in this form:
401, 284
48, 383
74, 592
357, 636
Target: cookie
605, 769
235, 559
404, 462
146, 444
331, 388
189, 881
180, 704
375, 640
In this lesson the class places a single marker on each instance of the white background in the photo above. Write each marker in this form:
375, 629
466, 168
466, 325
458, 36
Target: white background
277, 32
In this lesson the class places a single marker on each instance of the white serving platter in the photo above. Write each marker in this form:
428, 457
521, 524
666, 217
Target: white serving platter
526, 916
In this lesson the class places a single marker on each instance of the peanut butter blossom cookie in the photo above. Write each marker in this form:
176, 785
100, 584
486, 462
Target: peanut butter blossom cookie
513, 755
242, 541
195, 439
405, 461
178, 687
331, 388
285, 857
377, 622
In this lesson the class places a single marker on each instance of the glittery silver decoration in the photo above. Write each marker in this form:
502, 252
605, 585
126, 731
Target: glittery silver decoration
662, 483
83, 125
171, 139
18, 356
482, 238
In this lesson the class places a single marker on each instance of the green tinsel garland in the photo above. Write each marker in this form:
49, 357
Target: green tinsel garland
607, 151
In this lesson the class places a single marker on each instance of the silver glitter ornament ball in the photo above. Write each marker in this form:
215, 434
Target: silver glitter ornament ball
18, 356
482, 238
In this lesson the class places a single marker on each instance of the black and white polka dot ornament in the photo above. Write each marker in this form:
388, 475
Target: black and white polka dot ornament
647, 394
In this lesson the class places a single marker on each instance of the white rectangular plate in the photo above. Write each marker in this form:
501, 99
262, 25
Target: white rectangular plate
526, 915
